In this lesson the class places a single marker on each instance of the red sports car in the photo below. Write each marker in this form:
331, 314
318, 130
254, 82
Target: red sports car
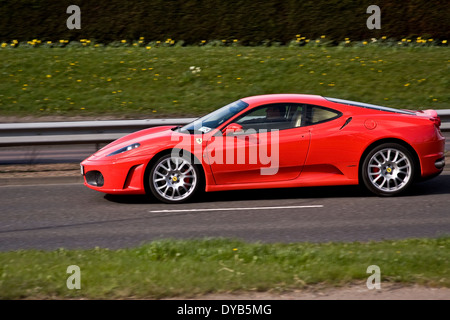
274, 141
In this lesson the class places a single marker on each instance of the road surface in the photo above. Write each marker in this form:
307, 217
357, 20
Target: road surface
69, 215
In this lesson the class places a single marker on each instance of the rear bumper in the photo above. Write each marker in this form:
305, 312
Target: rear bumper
432, 156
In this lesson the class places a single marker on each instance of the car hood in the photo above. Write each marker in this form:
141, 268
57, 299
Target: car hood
147, 138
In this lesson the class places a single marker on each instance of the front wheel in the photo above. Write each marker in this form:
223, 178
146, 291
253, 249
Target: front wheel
174, 179
388, 169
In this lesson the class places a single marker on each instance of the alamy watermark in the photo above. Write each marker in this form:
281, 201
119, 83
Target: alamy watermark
74, 280
74, 21
374, 21
374, 281
248, 147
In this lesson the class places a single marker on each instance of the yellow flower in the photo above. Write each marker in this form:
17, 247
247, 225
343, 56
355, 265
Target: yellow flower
407, 84
123, 41
365, 42
323, 37
444, 41
49, 76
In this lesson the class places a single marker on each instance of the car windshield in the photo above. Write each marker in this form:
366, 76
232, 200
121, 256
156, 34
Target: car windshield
215, 118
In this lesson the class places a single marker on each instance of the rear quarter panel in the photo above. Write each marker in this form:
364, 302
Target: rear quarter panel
340, 148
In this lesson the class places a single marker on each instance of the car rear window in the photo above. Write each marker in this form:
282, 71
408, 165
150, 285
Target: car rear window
368, 106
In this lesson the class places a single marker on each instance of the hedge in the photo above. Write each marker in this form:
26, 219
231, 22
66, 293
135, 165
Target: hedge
249, 21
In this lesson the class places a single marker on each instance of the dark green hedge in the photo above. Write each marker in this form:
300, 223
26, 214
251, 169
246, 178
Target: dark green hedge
250, 21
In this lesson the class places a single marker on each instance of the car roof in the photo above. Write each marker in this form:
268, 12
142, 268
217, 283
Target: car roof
287, 97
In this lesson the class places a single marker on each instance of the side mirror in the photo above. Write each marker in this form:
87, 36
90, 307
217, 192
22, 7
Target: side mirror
232, 128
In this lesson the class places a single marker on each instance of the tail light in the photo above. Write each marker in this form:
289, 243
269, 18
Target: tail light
436, 121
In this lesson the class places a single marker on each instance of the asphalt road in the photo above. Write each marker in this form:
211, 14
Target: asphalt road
69, 215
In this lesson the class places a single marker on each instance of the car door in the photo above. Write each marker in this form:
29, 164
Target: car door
268, 143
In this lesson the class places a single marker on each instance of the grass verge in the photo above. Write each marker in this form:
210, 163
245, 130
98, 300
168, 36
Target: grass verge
174, 268
190, 81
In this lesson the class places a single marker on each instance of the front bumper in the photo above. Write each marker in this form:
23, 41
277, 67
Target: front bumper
124, 176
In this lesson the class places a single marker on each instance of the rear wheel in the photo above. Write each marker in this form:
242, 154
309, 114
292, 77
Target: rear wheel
174, 179
388, 169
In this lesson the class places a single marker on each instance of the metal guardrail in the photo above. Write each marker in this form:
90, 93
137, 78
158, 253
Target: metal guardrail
85, 132
76, 132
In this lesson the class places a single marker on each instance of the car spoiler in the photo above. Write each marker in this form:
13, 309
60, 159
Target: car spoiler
430, 114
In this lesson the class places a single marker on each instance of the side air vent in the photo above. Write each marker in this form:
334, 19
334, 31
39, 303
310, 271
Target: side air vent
346, 123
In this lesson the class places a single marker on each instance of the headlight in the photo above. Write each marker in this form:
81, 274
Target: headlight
124, 149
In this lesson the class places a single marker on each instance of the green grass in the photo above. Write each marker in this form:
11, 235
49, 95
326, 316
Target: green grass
143, 83
170, 268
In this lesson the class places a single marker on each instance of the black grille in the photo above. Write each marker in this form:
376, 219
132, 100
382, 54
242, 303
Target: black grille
95, 178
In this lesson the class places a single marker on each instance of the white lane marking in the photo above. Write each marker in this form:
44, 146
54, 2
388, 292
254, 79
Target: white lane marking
237, 209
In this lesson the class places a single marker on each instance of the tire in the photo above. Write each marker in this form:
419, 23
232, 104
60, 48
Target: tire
174, 179
388, 169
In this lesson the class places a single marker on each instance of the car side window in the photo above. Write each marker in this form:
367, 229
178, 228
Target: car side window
316, 114
278, 116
